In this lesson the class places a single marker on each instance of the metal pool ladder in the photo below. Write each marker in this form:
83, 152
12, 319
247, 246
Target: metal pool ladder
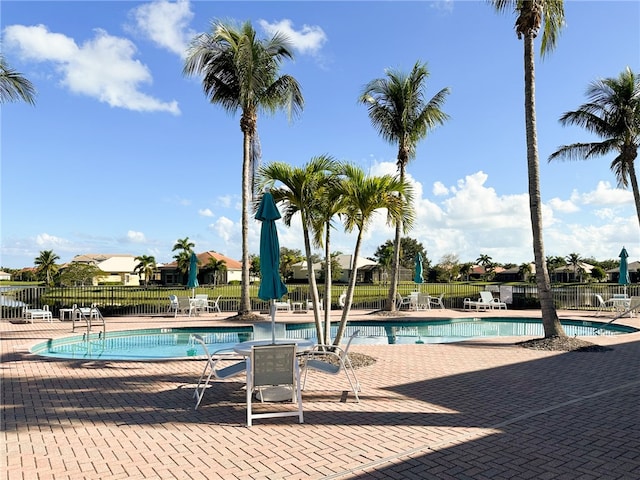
90, 316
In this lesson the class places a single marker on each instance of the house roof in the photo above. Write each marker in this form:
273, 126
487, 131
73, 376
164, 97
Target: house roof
110, 263
98, 257
203, 259
587, 268
344, 261
631, 266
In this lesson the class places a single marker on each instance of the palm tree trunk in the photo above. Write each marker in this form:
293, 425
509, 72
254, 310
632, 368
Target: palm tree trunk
395, 269
327, 286
550, 321
245, 300
350, 289
634, 187
313, 286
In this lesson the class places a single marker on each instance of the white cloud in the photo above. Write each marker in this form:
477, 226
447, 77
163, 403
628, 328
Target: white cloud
136, 237
604, 194
166, 24
605, 213
103, 68
227, 230
205, 212
48, 242
440, 189
565, 206
307, 40
225, 200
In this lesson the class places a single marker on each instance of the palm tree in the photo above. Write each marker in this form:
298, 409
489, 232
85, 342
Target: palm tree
146, 266
465, 270
13, 86
300, 190
46, 265
524, 270
240, 72
575, 260
399, 111
217, 267
362, 196
553, 263
183, 258
531, 16
613, 114
326, 206
486, 262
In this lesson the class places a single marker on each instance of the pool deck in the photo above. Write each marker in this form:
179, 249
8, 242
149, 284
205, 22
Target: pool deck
484, 409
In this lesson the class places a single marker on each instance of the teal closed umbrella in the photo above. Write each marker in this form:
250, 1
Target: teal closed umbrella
623, 278
192, 283
271, 285
418, 268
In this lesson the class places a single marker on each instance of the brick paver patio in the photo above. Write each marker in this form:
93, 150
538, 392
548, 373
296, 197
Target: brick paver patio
474, 410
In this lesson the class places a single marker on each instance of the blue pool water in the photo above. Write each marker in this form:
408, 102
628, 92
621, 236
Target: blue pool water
173, 343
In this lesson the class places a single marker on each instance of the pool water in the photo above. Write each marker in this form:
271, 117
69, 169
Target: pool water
174, 343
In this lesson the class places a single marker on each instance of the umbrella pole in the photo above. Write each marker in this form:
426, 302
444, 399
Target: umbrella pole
273, 321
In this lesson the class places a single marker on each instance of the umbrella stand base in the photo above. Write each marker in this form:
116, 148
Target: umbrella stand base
274, 394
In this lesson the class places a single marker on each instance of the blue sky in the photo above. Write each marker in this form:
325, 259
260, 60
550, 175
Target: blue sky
123, 154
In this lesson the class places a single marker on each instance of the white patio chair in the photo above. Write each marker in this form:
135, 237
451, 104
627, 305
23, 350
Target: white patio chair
403, 302
37, 313
436, 301
273, 366
478, 304
173, 304
213, 305
342, 299
487, 297
332, 360
214, 369
283, 305
604, 304
310, 304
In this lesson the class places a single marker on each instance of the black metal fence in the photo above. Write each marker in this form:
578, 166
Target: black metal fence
132, 301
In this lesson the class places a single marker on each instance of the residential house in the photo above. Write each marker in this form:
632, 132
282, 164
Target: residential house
571, 273
119, 268
170, 275
513, 274
5, 276
480, 272
368, 270
613, 275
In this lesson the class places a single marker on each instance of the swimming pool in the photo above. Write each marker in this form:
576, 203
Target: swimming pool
174, 343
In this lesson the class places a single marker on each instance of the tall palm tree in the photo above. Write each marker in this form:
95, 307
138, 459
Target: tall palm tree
524, 270
146, 266
46, 265
400, 112
327, 205
531, 16
486, 262
575, 260
13, 86
299, 189
183, 258
217, 267
613, 114
241, 72
362, 196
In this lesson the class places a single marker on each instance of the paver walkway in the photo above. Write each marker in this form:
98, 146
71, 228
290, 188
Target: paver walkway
474, 410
